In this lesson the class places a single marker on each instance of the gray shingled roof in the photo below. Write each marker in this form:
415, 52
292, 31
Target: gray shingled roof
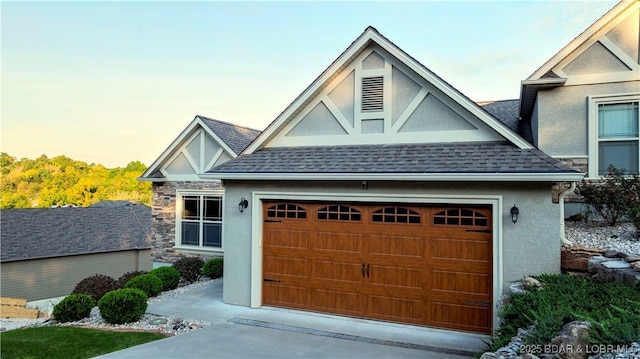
236, 137
55, 232
508, 112
484, 157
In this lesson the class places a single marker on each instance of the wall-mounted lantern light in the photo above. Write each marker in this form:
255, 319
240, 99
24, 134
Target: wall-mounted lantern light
243, 204
514, 213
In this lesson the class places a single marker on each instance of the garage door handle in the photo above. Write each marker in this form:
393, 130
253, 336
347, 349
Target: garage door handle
272, 280
362, 270
272, 221
368, 267
479, 230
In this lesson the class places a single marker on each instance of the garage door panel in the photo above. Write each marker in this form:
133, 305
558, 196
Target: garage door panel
400, 278
282, 267
384, 245
452, 248
341, 302
460, 282
335, 242
465, 317
286, 295
396, 309
391, 263
338, 271
286, 238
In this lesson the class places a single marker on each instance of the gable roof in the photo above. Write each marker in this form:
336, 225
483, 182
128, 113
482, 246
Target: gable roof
55, 232
232, 138
368, 37
545, 78
474, 161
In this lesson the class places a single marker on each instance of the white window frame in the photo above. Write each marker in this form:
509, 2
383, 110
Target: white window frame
180, 194
592, 114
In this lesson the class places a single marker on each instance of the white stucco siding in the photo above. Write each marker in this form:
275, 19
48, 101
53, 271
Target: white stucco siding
562, 116
531, 246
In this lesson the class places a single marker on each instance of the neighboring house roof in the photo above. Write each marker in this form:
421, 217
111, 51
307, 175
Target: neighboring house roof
365, 40
508, 112
450, 161
231, 139
546, 77
56, 232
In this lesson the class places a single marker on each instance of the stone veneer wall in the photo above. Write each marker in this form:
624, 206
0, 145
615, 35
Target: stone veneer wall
580, 164
163, 218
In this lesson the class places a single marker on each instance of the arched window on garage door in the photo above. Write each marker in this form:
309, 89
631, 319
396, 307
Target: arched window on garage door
460, 217
339, 212
286, 210
396, 214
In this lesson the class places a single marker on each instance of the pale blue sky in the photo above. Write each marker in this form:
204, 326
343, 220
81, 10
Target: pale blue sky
111, 82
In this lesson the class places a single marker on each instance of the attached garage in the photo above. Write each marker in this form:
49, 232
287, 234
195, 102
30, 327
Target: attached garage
425, 265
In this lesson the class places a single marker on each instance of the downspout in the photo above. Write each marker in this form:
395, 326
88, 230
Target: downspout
569, 190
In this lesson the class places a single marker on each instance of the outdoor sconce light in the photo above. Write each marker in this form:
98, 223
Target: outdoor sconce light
514, 213
243, 204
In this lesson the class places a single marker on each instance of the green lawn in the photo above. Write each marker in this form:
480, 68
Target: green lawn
68, 342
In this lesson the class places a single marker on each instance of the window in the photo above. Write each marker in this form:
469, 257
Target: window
460, 217
396, 215
286, 210
614, 135
200, 221
338, 213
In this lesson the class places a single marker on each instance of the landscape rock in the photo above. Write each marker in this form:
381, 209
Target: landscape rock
572, 335
611, 253
632, 259
531, 283
616, 265
636, 266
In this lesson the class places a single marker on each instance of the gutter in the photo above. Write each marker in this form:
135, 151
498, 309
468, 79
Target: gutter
464, 177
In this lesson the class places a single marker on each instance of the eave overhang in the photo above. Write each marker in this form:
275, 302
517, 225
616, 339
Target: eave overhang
529, 92
426, 177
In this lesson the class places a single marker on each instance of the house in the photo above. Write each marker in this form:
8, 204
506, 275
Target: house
186, 208
47, 251
382, 192
582, 103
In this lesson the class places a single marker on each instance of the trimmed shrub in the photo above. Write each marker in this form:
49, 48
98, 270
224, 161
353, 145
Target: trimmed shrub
73, 307
190, 268
123, 305
129, 276
95, 286
213, 268
148, 283
169, 276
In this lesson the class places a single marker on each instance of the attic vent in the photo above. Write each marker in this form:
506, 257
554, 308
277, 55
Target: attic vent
372, 93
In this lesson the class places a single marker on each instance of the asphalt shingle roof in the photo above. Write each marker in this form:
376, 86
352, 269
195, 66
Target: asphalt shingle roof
236, 137
508, 112
54, 232
484, 157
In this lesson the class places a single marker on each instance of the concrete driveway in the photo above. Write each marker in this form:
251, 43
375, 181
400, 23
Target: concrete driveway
241, 332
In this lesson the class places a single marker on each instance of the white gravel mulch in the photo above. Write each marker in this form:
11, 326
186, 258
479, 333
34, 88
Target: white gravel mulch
148, 322
621, 238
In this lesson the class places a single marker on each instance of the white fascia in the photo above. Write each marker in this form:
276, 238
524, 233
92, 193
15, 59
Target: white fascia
463, 177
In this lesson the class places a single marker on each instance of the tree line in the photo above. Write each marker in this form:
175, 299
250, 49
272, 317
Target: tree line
59, 181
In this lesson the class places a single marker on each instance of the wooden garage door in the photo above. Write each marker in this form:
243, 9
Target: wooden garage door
425, 265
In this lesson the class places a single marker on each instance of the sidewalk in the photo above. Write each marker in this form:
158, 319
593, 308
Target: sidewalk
242, 332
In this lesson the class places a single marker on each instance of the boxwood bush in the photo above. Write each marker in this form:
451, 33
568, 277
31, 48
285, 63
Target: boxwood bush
213, 268
73, 307
169, 276
123, 305
148, 283
190, 268
95, 286
129, 276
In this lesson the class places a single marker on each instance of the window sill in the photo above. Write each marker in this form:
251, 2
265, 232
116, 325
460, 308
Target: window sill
198, 250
